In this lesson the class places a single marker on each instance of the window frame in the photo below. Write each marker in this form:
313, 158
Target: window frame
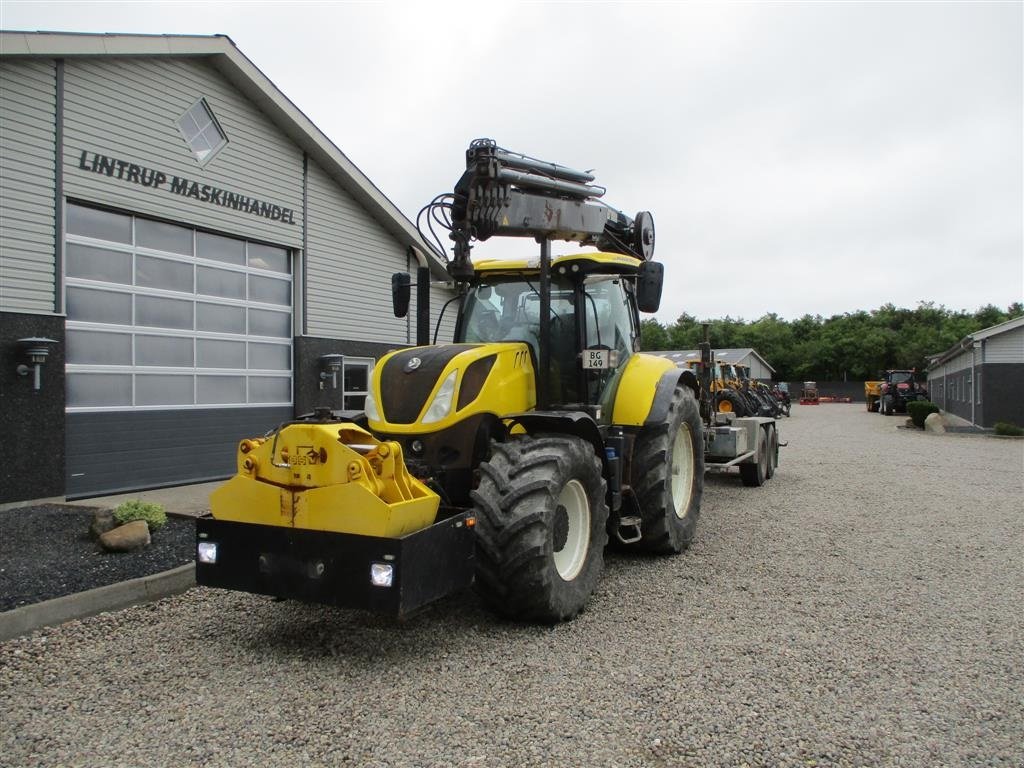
214, 151
134, 330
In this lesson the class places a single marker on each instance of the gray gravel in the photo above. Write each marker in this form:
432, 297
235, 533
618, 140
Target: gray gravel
865, 607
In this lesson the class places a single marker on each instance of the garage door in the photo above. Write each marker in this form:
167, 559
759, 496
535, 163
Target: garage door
179, 343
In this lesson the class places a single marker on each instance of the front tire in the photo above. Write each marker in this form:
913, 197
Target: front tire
541, 527
667, 476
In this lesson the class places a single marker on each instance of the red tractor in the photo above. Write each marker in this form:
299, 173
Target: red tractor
898, 389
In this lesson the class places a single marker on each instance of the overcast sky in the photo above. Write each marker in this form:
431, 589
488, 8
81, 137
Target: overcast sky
798, 157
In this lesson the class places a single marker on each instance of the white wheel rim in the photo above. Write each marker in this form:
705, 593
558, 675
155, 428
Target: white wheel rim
570, 558
682, 470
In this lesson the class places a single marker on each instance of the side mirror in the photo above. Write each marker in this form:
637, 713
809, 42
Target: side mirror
400, 291
648, 286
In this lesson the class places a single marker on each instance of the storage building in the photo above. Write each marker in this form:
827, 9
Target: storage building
180, 247
758, 366
981, 378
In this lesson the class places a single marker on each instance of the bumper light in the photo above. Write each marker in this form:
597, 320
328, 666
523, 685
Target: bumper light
382, 574
207, 552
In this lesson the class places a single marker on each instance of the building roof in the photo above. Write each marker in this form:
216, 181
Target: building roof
727, 356
227, 59
966, 342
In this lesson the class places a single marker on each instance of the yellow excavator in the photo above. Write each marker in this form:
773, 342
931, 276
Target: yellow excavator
505, 459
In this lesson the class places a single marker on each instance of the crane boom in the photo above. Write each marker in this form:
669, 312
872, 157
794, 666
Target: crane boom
503, 193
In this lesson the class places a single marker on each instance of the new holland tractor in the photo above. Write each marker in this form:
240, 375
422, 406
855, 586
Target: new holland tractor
505, 459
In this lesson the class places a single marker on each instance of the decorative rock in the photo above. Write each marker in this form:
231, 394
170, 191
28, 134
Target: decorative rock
935, 423
125, 538
102, 521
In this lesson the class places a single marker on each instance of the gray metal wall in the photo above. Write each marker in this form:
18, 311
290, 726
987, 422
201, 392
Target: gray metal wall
1007, 347
27, 136
350, 259
159, 448
129, 109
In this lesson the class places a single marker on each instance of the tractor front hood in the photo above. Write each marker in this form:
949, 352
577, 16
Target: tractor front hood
426, 389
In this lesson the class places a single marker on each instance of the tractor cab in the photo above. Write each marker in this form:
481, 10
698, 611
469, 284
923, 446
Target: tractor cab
593, 323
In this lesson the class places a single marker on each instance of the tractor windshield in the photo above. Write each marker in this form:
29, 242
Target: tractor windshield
507, 308
901, 377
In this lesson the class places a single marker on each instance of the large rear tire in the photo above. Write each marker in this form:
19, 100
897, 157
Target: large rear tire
667, 476
541, 527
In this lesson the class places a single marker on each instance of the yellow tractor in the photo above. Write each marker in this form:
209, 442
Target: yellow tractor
505, 459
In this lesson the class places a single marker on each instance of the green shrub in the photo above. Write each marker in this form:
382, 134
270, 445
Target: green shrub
1008, 429
919, 410
152, 513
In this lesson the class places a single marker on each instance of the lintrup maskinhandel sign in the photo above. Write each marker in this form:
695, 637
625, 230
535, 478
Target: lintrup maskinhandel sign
133, 173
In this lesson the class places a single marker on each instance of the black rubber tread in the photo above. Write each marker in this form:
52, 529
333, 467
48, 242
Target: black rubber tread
516, 503
739, 405
663, 532
773, 451
754, 474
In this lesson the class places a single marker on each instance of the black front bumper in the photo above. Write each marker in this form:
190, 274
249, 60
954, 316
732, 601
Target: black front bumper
334, 568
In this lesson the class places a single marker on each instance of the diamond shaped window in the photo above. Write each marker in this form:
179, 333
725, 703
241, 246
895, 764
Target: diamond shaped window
202, 132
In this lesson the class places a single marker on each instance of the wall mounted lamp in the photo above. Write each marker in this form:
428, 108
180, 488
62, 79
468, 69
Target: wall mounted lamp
36, 349
329, 367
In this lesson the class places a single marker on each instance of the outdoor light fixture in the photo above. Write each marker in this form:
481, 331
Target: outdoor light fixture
382, 574
207, 552
329, 367
36, 349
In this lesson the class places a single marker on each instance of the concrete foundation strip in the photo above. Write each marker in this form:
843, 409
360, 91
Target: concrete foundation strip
21, 621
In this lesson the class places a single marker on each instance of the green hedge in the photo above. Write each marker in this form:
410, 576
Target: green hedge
919, 410
1010, 430
152, 513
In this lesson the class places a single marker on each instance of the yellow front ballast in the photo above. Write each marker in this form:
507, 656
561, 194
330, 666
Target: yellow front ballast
325, 477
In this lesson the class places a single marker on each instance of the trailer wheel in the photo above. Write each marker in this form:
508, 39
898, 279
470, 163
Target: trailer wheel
755, 474
773, 451
541, 527
667, 476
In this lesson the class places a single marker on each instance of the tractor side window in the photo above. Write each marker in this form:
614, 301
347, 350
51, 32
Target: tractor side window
609, 319
483, 315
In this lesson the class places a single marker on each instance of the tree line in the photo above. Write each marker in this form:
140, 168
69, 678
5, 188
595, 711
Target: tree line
854, 346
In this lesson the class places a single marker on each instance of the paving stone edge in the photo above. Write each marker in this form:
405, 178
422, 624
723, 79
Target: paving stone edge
28, 618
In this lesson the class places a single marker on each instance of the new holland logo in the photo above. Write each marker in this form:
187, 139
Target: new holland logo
413, 364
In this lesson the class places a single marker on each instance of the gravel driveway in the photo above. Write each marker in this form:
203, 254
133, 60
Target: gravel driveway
865, 607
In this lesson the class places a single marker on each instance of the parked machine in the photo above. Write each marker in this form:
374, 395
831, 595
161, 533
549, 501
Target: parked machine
505, 459
898, 388
873, 395
809, 393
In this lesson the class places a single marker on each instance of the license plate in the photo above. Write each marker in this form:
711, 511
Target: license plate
596, 358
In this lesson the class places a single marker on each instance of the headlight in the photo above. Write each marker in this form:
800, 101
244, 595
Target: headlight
370, 408
207, 551
382, 574
441, 405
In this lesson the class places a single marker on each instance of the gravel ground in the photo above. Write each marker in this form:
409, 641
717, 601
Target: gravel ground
46, 552
864, 608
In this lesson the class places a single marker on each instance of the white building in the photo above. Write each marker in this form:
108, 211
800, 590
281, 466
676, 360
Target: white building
759, 367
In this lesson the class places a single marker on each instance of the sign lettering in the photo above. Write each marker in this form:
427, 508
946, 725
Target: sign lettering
133, 173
